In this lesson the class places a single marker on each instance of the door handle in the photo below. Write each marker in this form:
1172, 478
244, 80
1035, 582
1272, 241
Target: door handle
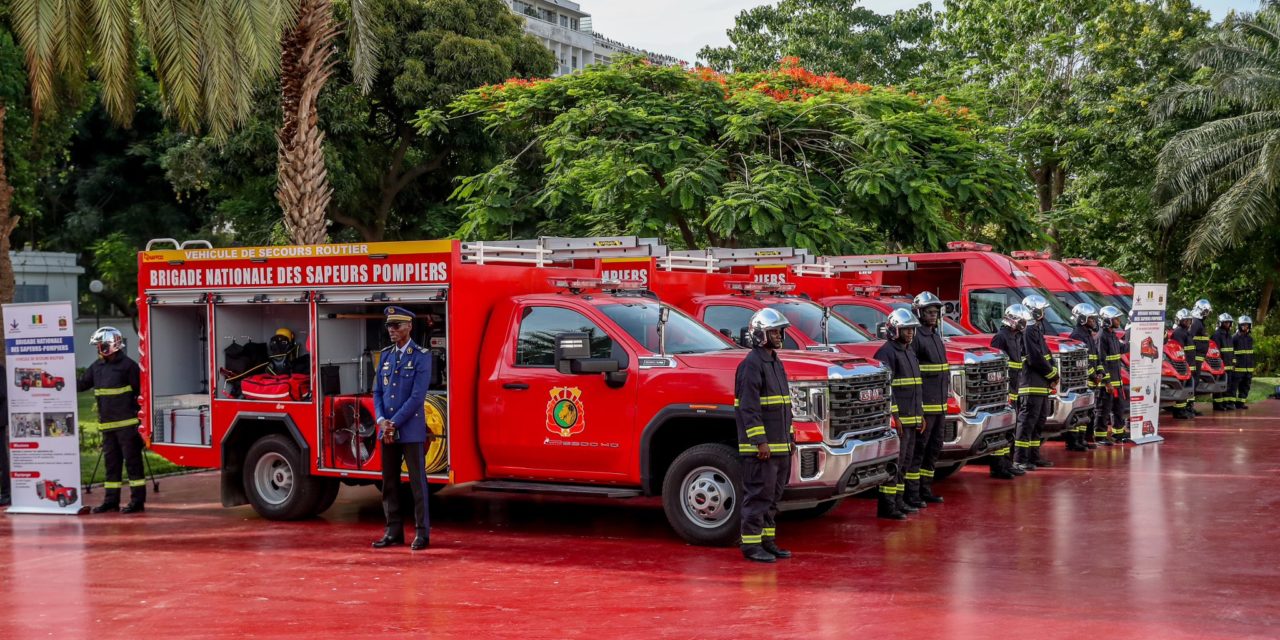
515, 386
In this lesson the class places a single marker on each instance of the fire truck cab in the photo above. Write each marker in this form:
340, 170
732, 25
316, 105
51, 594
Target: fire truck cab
1069, 288
545, 379
1117, 290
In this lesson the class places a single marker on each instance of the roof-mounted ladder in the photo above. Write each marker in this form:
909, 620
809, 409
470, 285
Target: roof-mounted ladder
828, 266
549, 250
723, 257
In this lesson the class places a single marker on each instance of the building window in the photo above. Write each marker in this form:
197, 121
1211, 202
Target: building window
31, 293
564, 21
574, 64
546, 15
573, 23
524, 7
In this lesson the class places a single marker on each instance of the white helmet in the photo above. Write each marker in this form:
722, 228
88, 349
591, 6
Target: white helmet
1201, 309
761, 322
1083, 312
1109, 313
1037, 304
1225, 317
1242, 320
1016, 317
107, 340
898, 320
1182, 314
925, 299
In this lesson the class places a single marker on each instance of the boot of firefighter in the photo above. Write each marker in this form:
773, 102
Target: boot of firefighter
137, 499
1039, 458
926, 491
911, 494
110, 501
887, 506
1075, 440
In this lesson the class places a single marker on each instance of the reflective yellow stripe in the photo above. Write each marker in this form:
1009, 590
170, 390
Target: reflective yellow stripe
1116, 383
926, 473
1245, 352
1013, 397
768, 532
755, 431
933, 368
1021, 444
1205, 338
1033, 391
1001, 452
912, 476
907, 382
1015, 365
912, 420
113, 391
1244, 369
893, 408
888, 489
1190, 347
755, 539
117, 424
137, 483
1114, 356
1033, 443
780, 448
112, 485
935, 408
775, 400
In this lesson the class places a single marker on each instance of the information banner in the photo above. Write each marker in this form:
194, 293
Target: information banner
44, 444
1146, 357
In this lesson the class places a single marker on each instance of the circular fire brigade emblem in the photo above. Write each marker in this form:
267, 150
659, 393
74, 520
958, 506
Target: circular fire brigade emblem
564, 412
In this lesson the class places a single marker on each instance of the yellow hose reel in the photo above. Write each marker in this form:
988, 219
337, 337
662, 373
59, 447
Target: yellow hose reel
434, 409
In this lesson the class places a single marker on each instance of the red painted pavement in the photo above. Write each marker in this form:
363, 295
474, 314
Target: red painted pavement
1174, 540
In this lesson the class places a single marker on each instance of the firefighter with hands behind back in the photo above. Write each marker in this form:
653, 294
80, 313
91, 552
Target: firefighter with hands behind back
1225, 401
935, 376
1086, 322
1242, 342
116, 381
1039, 378
762, 410
1009, 340
907, 406
1111, 350
399, 391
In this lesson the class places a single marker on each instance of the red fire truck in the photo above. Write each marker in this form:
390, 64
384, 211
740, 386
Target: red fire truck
53, 490
37, 379
979, 418
976, 284
1068, 287
1111, 284
645, 408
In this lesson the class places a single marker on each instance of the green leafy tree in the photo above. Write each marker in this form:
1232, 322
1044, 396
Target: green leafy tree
780, 157
828, 36
1218, 182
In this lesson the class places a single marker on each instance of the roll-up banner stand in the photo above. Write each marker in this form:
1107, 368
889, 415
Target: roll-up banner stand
1146, 354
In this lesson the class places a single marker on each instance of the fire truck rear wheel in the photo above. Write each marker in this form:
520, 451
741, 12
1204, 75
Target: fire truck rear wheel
942, 473
62, 501
277, 481
58, 386
701, 492
330, 495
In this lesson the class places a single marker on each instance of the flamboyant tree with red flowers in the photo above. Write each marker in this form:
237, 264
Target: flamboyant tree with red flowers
784, 156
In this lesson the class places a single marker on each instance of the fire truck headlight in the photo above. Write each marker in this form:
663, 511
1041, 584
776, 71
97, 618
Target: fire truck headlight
809, 402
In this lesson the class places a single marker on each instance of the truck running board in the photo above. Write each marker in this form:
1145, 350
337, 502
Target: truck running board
581, 490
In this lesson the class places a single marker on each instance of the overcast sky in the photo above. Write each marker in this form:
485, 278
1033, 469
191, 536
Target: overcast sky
681, 27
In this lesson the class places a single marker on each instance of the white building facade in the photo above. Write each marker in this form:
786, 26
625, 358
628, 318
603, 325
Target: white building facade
565, 29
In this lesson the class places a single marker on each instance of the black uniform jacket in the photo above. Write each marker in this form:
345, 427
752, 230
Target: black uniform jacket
762, 401
1039, 372
1222, 338
1010, 343
116, 382
1243, 345
1200, 339
908, 400
934, 371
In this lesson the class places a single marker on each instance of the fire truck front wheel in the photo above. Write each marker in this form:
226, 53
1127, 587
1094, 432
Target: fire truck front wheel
62, 501
59, 386
277, 481
701, 494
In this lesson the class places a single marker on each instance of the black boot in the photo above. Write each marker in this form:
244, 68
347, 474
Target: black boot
1001, 471
910, 502
772, 547
757, 553
1075, 442
1015, 468
389, 539
926, 492
134, 507
106, 507
1039, 458
905, 507
887, 508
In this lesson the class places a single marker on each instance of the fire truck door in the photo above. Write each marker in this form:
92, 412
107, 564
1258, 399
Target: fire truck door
541, 423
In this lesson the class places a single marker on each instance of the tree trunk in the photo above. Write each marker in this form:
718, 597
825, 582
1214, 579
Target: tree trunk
1264, 303
306, 62
8, 221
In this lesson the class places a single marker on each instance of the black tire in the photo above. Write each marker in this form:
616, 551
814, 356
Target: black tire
330, 495
718, 471
816, 511
62, 501
277, 481
26, 387
59, 386
39, 488
942, 473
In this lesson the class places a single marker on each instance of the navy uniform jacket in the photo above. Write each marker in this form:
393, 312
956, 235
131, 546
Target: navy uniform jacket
934, 370
400, 388
116, 382
1243, 345
1095, 370
1112, 351
1201, 341
1183, 336
1222, 338
762, 403
1038, 372
908, 398
1010, 343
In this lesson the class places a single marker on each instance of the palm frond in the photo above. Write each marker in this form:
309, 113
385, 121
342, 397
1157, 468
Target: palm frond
226, 89
116, 64
34, 21
70, 31
173, 31
365, 48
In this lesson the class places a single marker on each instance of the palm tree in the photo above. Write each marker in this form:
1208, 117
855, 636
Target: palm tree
1227, 168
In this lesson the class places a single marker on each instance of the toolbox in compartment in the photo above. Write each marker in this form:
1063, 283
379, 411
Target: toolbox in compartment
182, 425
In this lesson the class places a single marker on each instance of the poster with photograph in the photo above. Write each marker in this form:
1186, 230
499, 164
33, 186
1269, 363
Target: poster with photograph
1146, 342
44, 430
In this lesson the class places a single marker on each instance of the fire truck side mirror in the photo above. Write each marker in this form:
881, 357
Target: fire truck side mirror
744, 337
880, 330
573, 356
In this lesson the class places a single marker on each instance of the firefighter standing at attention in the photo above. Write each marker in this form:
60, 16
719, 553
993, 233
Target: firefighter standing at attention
116, 381
1242, 342
1038, 379
907, 406
1086, 322
762, 408
1111, 350
1225, 401
1200, 312
1182, 336
935, 377
1009, 340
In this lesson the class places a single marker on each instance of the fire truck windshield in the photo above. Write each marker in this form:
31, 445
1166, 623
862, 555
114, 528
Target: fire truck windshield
949, 327
639, 318
807, 318
986, 308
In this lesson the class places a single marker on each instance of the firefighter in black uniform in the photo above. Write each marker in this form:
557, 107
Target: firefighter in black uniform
1111, 350
936, 378
1009, 340
1200, 338
907, 406
1085, 316
5, 496
116, 382
1225, 401
1038, 379
762, 401
1182, 336
1242, 342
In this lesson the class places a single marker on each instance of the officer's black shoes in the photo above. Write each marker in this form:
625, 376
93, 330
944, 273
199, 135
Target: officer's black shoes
388, 540
908, 508
1104, 442
106, 507
134, 507
1076, 445
756, 553
773, 548
1091, 444
1241, 406
420, 542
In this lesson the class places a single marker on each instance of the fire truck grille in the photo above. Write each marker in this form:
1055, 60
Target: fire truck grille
1073, 369
1181, 367
860, 407
1214, 363
986, 383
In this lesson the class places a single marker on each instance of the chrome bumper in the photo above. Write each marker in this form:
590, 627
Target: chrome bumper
986, 431
1065, 410
844, 469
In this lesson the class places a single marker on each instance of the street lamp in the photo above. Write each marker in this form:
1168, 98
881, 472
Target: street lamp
96, 287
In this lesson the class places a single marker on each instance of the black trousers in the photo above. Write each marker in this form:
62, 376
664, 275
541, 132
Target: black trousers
4, 452
896, 486
1119, 409
123, 445
412, 456
930, 448
763, 482
1032, 413
1102, 413
1244, 382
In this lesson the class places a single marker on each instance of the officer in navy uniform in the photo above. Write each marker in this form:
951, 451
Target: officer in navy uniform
399, 389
